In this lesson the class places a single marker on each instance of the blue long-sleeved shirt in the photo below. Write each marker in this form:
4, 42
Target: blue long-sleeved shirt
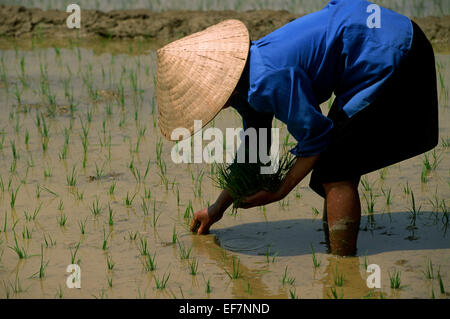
294, 69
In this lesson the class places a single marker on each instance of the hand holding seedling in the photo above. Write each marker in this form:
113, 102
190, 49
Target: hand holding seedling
205, 218
301, 168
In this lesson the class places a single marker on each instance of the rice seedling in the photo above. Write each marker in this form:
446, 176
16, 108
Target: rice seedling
60, 205
30, 161
105, 240
406, 189
5, 222
102, 295
285, 279
184, 253
84, 129
155, 216
17, 126
208, 287
143, 246
366, 263
18, 94
110, 216
248, 289
51, 104
338, 278
147, 169
189, 211
445, 142
315, 211
132, 236
159, 146
370, 201
110, 281
4, 74
245, 179
428, 273
174, 235
365, 184
14, 150
424, 176
334, 294
268, 255
414, 210
395, 279
161, 284
26, 233
284, 203
235, 269
316, 262
197, 181
16, 287
178, 197
47, 172
99, 171
387, 196
89, 114
193, 266
20, 251
383, 173
147, 193
59, 293
49, 242
441, 284
82, 226
293, 293
14, 196
96, 209
109, 263
43, 266
144, 207
150, 264
112, 188
108, 110
13, 166
72, 179
78, 195
129, 200
62, 220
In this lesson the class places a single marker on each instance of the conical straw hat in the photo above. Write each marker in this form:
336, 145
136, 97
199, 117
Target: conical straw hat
198, 73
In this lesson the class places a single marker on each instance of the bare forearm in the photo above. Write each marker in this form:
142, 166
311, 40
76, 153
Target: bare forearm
222, 203
301, 168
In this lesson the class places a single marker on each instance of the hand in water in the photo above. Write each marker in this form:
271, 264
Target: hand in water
204, 219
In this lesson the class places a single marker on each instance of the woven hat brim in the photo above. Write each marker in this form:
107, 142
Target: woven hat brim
198, 73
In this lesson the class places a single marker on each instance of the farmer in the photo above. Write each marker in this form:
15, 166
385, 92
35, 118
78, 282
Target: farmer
379, 65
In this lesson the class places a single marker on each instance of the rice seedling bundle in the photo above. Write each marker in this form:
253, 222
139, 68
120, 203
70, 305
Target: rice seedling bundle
245, 179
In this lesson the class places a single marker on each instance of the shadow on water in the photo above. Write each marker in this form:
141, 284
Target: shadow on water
378, 233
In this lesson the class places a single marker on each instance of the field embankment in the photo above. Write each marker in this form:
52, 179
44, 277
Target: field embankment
18, 21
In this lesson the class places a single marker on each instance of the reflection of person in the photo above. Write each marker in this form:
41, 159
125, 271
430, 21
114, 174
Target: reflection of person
353, 277
385, 109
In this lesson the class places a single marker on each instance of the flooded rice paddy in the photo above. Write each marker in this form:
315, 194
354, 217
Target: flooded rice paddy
86, 178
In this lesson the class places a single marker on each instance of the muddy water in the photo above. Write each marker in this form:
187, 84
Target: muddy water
268, 244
